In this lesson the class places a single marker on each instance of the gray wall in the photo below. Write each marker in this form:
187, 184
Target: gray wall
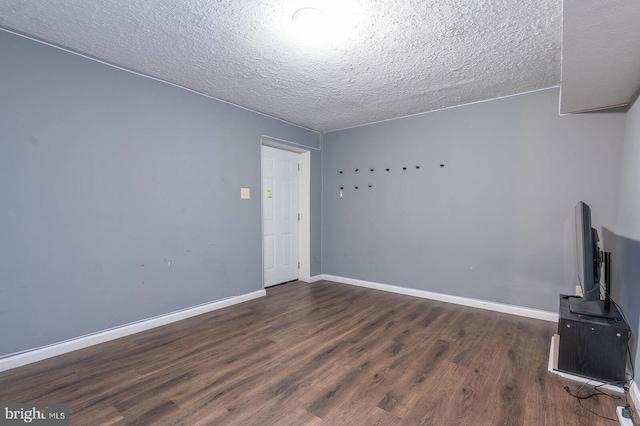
496, 223
626, 254
120, 196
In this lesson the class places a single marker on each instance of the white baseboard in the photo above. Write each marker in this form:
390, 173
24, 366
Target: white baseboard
465, 301
34, 355
635, 395
311, 279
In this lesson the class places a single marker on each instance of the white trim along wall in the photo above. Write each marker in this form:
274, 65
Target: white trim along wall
465, 301
39, 354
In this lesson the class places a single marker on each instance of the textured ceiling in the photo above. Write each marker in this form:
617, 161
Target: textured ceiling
600, 54
378, 59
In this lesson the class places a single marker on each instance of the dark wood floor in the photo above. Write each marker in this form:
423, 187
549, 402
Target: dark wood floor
321, 353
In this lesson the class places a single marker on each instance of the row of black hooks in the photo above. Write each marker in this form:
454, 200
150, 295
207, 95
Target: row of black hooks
371, 170
356, 187
387, 170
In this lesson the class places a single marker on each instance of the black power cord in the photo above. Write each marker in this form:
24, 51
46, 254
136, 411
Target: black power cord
593, 412
591, 395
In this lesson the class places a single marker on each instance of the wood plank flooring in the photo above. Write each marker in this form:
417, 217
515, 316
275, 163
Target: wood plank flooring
321, 353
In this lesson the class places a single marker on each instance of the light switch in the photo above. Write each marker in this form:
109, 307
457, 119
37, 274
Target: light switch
245, 193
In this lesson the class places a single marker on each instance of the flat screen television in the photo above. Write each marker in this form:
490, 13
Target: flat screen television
595, 301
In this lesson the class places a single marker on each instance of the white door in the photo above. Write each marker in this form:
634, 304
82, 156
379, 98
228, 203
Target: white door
280, 215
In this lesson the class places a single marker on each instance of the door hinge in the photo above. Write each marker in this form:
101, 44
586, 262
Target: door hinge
298, 166
298, 217
298, 265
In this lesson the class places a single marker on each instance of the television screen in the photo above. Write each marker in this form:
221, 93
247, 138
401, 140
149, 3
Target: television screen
588, 253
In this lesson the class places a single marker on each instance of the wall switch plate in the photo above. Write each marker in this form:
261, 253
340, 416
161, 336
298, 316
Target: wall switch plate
245, 193
579, 291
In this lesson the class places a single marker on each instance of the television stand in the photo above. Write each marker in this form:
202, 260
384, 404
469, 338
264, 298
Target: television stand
597, 308
592, 347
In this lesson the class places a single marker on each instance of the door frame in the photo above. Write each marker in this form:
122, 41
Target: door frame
304, 203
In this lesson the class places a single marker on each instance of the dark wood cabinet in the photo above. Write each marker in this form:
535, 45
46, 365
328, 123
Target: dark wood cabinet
592, 347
